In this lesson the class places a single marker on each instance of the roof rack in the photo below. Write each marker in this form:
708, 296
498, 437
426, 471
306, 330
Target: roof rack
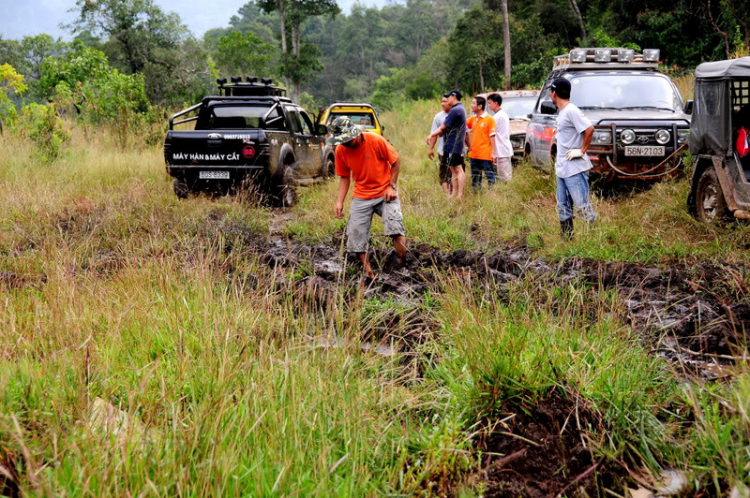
607, 58
249, 88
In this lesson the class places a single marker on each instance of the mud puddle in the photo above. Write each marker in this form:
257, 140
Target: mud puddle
543, 451
694, 313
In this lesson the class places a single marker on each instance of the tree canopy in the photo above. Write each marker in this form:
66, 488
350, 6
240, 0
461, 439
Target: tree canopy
405, 50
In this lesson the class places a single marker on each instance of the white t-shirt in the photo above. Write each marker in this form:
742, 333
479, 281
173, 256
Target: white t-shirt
571, 123
501, 145
437, 122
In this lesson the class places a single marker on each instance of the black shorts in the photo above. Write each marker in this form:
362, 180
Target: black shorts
453, 160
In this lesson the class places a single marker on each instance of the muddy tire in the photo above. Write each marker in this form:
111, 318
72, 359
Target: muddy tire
181, 188
329, 168
710, 205
287, 193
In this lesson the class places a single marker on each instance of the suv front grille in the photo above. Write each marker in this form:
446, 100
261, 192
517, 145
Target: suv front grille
642, 137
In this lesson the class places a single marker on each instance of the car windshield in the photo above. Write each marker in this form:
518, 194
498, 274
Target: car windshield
519, 108
234, 117
624, 91
361, 119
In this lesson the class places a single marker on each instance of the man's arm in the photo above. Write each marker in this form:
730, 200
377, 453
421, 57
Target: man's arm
395, 170
391, 193
431, 142
435, 134
344, 182
588, 134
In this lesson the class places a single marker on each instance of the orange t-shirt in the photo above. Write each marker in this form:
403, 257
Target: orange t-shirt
482, 128
369, 165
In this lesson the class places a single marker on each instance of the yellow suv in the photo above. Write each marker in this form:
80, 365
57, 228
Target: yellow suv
361, 114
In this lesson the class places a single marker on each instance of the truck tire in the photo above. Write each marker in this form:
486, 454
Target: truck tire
288, 187
329, 167
181, 188
710, 206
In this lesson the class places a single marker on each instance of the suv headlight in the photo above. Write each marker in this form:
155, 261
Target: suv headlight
662, 137
602, 137
683, 136
627, 137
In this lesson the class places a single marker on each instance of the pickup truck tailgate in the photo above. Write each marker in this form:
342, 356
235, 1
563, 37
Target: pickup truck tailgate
245, 149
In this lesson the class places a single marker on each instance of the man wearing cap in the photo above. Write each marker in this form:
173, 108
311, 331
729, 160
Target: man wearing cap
374, 165
453, 131
574, 133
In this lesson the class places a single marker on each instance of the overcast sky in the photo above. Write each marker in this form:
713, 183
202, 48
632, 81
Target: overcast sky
29, 17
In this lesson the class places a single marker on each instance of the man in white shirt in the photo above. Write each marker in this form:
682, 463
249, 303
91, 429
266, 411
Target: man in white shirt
574, 134
445, 171
502, 149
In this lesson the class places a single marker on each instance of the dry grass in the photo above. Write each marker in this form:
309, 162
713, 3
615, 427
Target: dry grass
113, 289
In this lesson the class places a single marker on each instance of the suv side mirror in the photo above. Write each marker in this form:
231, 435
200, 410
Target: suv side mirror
548, 107
689, 106
321, 129
529, 115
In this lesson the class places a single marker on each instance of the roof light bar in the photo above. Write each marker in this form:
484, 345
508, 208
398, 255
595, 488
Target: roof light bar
602, 55
625, 55
251, 79
236, 79
578, 55
651, 55
221, 81
266, 81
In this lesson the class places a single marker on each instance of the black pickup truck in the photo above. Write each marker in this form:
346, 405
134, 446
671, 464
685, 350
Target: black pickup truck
248, 136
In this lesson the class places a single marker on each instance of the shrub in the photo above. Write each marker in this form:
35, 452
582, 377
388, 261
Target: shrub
10, 81
45, 129
84, 86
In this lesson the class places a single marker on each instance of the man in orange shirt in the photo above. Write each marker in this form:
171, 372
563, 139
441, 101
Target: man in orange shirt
482, 127
374, 165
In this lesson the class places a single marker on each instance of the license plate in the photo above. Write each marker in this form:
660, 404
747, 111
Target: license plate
649, 150
213, 175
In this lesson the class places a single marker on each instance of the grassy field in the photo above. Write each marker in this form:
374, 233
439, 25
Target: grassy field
147, 346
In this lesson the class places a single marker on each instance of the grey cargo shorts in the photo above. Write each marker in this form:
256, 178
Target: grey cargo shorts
360, 220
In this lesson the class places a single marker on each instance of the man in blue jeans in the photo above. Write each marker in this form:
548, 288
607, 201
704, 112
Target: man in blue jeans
574, 133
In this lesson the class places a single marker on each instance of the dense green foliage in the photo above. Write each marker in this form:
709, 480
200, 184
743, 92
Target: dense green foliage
406, 50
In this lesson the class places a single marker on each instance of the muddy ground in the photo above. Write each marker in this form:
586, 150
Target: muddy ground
545, 451
695, 313
692, 314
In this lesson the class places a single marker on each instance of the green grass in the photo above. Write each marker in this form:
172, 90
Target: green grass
164, 309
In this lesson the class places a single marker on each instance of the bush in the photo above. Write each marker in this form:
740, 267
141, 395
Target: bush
87, 88
10, 82
41, 124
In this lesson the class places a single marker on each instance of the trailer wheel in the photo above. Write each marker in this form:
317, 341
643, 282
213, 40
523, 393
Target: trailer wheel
710, 206
181, 188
